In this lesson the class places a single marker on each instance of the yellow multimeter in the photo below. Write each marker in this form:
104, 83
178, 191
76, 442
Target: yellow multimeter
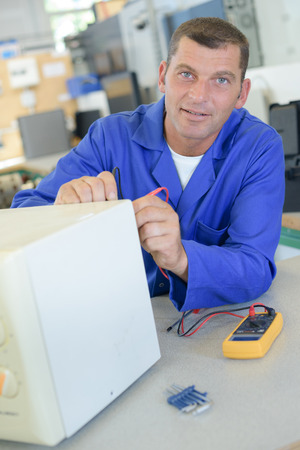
253, 337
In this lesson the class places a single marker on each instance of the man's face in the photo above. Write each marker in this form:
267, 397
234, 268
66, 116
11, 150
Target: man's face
201, 86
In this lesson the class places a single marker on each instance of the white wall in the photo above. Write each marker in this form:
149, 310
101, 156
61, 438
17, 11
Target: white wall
279, 29
278, 80
272, 84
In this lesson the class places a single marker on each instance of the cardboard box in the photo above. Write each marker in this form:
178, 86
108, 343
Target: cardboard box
104, 10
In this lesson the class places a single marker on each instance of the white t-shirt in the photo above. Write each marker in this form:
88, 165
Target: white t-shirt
185, 166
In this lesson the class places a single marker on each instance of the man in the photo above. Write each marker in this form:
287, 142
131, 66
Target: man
224, 170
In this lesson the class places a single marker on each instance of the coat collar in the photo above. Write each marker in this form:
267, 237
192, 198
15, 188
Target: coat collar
150, 132
150, 135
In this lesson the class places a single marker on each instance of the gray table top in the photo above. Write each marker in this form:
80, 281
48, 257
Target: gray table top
255, 402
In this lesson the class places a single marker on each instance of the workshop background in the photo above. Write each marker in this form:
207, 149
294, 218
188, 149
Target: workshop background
65, 63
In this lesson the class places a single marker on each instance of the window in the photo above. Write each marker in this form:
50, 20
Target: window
68, 17
66, 5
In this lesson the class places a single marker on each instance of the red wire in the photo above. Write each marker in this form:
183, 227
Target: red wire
252, 309
156, 191
163, 272
208, 318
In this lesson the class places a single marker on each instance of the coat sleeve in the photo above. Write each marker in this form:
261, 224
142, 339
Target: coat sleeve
243, 267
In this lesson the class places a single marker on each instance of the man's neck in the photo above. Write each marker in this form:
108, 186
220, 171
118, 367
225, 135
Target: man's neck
188, 146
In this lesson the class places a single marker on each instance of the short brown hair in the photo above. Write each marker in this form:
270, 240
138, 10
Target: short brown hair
211, 32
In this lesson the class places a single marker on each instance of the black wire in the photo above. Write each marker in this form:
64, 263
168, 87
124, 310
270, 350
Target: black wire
179, 320
270, 311
203, 318
116, 169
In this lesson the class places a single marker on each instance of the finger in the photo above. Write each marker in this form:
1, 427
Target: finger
94, 191
168, 252
109, 185
165, 230
148, 201
66, 195
152, 210
81, 190
157, 247
153, 215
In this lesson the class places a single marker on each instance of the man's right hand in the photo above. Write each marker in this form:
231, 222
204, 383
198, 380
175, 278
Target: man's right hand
88, 189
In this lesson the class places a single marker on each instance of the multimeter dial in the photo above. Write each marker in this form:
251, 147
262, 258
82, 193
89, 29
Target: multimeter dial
253, 326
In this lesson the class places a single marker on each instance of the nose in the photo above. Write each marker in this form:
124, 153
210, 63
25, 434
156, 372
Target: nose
199, 91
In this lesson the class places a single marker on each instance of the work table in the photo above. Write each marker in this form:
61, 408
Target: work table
255, 402
291, 220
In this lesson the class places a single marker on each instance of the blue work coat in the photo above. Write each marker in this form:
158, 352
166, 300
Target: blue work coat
230, 211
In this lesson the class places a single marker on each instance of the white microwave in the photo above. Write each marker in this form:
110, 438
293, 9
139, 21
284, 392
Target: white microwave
76, 323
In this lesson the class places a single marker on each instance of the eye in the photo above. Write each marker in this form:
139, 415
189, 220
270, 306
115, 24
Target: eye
186, 75
222, 80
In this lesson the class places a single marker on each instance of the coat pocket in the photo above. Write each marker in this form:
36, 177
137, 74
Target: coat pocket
210, 236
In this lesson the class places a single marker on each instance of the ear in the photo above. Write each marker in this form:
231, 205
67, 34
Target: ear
243, 94
161, 76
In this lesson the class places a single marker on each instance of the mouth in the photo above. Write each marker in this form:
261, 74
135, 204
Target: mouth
194, 113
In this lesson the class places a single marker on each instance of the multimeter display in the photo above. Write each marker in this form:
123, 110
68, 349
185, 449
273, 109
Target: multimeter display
253, 337
253, 328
